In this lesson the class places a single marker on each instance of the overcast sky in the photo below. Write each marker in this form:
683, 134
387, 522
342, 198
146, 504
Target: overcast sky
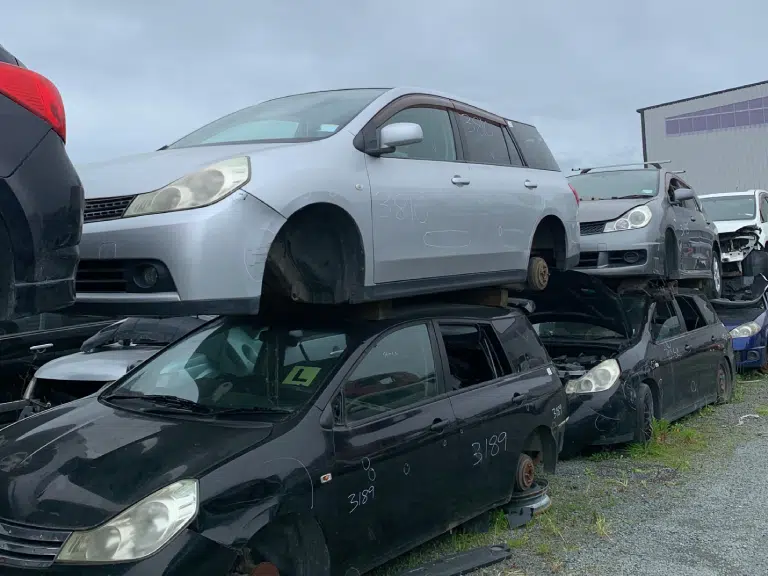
137, 74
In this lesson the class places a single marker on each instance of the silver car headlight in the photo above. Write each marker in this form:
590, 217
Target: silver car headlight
638, 217
139, 531
601, 377
745, 330
195, 190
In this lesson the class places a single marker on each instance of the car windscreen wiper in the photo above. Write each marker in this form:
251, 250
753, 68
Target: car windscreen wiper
251, 410
631, 197
164, 400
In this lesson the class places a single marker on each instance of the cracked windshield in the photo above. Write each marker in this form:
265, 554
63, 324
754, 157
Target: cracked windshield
403, 294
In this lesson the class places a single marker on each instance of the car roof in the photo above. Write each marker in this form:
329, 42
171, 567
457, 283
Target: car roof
739, 193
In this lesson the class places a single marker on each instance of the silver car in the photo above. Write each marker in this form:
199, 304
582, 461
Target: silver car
645, 222
326, 197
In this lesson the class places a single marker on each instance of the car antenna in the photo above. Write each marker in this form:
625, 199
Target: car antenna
656, 164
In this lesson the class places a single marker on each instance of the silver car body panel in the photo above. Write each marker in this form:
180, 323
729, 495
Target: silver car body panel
415, 224
103, 366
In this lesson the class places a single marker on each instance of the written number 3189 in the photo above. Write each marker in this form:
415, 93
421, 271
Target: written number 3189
489, 448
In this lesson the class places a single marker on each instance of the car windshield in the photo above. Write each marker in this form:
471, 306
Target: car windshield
616, 184
299, 117
723, 208
241, 364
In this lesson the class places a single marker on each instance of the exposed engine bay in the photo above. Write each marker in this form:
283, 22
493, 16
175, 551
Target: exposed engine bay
574, 361
735, 247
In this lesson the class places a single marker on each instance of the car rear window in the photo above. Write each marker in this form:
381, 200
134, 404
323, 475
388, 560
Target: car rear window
616, 184
535, 151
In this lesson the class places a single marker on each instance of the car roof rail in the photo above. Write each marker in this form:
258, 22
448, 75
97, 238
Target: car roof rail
656, 164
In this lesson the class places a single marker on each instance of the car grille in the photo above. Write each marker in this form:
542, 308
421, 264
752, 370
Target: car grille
99, 209
101, 276
588, 228
29, 547
588, 259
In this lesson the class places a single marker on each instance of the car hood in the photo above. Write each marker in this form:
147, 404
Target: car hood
96, 366
726, 226
581, 298
79, 464
138, 173
599, 210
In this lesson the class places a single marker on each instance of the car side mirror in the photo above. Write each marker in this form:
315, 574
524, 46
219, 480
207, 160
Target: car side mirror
398, 134
683, 194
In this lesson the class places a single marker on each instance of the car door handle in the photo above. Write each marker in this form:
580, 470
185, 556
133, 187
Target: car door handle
438, 425
693, 218
713, 338
40, 347
459, 181
687, 347
517, 398
530, 185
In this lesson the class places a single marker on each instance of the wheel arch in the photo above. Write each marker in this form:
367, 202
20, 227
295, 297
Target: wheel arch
656, 394
550, 234
671, 252
541, 440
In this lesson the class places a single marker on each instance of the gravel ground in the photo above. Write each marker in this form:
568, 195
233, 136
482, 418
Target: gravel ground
695, 507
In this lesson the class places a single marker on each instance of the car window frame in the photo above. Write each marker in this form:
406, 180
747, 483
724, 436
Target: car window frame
487, 120
368, 136
496, 362
695, 307
519, 148
343, 379
454, 132
763, 216
680, 319
705, 304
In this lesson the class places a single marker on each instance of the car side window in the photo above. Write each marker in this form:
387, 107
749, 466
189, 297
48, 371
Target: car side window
522, 345
691, 315
398, 371
20, 326
707, 310
764, 208
438, 142
535, 150
52, 321
665, 323
483, 141
471, 358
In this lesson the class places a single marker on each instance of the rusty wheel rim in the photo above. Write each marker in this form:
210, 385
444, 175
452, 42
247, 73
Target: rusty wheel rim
265, 569
525, 473
542, 274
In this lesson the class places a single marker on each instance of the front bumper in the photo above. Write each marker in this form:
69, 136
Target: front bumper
749, 352
599, 419
188, 554
211, 260
625, 253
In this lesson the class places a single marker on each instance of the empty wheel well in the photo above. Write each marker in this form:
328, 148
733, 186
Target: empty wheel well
656, 399
540, 442
317, 257
7, 276
549, 242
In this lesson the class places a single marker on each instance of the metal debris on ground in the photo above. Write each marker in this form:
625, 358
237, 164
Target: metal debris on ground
743, 418
525, 505
462, 562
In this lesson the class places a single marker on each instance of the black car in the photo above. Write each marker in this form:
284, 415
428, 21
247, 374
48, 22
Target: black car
650, 352
28, 343
41, 197
319, 445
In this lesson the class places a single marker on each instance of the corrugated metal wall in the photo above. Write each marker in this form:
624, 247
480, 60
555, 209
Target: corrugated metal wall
721, 140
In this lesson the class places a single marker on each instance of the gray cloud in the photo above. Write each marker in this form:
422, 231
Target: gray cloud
136, 75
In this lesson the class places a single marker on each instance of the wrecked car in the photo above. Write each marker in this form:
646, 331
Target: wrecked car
645, 221
627, 359
731, 211
399, 193
747, 321
103, 358
322, 443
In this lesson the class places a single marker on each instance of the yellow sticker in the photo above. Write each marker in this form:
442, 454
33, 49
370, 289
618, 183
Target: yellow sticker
301, 375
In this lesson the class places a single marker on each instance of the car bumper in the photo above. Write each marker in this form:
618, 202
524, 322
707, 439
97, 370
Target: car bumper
625, 253
210, 260
598, 419
41, 218
189, 554
749, 352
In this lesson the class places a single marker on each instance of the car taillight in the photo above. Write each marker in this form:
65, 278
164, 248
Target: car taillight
36, 93
575, 194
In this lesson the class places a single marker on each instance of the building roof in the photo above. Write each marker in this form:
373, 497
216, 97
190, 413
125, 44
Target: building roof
641, 110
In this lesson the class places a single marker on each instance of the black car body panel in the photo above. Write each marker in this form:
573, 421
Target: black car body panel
376, 485
41, 214
678, 363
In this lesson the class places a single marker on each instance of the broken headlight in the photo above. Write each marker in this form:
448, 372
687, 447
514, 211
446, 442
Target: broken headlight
201, 188
600, 378
139, 531
638, 217
745, 330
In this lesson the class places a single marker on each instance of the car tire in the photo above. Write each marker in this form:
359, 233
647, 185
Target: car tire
288, 549
538, 273
714, 286
645, 411
724, 384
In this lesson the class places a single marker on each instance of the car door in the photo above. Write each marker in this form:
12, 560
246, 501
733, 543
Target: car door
699, 339
505, 203
419, 198
395, 446
664, 354
17, 361
687, 229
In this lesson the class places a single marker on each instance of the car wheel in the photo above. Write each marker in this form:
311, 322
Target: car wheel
644, 426
724, 384
715, 283
538, 273
526, 473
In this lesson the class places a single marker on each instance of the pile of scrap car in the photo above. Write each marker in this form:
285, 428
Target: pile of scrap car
414, 308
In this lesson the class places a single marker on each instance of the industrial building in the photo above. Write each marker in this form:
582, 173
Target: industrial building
720, 139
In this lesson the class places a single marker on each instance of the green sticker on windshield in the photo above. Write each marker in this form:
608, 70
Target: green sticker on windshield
301, 376
647, 191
